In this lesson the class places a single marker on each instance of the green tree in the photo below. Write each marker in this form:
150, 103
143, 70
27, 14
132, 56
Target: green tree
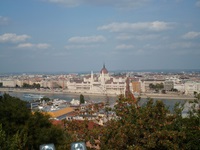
157, 86
45, 98
25, 85
14, 114
82, 99
21, 129
3, 142
197, 95
151, 86
147, 127
34, 85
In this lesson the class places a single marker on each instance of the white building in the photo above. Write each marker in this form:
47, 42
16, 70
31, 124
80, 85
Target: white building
102, 83
146, 82
180, 87
191, 87
8, 82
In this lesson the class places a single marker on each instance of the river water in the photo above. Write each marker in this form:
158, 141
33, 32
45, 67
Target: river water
95, 98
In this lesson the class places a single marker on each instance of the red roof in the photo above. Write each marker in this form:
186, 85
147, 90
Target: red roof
57, 123
91, 124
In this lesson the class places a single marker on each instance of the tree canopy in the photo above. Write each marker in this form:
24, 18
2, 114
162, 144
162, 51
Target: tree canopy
157, 86
33, 86
22, 129
151, 126
82, 99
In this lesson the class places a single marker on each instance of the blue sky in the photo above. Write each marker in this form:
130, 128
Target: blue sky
81, 35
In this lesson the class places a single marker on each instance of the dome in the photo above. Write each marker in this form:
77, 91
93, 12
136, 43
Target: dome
104, 70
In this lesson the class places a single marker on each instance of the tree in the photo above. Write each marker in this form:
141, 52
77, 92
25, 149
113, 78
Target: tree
22, 129
41, 131
45, 99
3, 141
34, 85
174, 90
157, 86
82, 99
148, 127
14, 114
86, 131
151, 86
197, 95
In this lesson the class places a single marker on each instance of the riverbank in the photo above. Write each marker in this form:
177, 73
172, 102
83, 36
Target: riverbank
48, 91
143, 95
167, 96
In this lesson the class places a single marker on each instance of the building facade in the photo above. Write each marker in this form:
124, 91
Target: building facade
102, 83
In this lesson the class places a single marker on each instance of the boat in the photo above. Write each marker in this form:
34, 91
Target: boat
33, 96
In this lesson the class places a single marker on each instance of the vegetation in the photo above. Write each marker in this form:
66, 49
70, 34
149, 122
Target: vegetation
33, 86
82, 99
197, 95
156, 87
46, 99
151, 126
174, 90
148, 127
20, 129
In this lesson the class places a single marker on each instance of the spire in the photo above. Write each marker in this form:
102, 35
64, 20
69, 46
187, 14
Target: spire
91, 80
104, 70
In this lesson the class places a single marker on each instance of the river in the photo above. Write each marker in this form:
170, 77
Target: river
95, 98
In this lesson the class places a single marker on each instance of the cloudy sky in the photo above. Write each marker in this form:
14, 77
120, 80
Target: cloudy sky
81, 35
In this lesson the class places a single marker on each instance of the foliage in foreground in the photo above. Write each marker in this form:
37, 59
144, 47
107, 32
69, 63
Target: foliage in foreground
20, 129
150, 127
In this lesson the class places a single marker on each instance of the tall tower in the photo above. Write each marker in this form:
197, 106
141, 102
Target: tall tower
91, 80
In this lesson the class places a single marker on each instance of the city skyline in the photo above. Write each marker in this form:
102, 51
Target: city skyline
81, 35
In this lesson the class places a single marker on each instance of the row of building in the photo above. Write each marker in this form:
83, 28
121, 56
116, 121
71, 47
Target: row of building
104, 83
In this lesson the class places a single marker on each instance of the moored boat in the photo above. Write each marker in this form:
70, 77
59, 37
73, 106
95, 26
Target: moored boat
33, 96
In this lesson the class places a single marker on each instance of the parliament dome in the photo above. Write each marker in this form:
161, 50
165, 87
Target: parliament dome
104, 70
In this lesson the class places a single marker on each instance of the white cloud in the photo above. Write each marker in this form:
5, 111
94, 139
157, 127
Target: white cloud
87, 39
37, 46
3, 20
11, 37
127, 27
25, 45
69, 47
67, 3
184, 45
137, 37
124, 37
113, 3
191, 35
42, 46
124, 46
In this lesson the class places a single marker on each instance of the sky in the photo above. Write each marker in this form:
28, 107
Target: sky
82, 35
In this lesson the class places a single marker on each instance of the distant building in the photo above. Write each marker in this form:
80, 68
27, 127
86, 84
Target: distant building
101, 83
180, 87
136, 86
8, 82
146, 82
61, 114
168, 85
191, 87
